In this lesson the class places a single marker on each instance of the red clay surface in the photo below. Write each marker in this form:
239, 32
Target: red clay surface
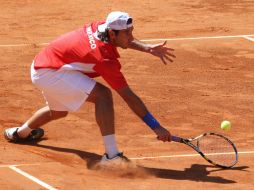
211, 80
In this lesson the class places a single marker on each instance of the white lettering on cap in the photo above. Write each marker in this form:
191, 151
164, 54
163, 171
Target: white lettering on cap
90, 37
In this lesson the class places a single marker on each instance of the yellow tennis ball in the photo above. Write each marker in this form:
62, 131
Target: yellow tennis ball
225, 125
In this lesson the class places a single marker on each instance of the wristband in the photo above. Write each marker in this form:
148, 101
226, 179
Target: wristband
151, 121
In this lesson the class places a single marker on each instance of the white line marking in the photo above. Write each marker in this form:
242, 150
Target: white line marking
220, 153
184, 155
246, 152
43, 184
6, 166
148, 40
196, 38
249, 38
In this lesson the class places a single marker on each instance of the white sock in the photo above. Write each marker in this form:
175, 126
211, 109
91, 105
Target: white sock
24, 130
110, 145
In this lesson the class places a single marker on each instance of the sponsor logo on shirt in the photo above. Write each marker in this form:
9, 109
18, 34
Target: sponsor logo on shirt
90, 37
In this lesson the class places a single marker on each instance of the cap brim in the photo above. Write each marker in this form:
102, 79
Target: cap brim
102, 27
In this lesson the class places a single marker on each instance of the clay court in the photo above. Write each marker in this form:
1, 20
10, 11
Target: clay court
210, 80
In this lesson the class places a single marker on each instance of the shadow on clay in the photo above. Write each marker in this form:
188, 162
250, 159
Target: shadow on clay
196, 172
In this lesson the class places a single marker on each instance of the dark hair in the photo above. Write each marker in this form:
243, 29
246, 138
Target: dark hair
104, 36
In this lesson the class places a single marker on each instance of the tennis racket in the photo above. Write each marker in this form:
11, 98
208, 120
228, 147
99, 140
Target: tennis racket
215, 148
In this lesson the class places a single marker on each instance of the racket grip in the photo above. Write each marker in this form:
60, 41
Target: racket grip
176, 139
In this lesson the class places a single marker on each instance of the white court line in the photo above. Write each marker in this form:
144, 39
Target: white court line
148, 40
249, 38
183, 155
34, 179
196, 38
6, 166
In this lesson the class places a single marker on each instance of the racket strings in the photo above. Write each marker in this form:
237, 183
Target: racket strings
218, 150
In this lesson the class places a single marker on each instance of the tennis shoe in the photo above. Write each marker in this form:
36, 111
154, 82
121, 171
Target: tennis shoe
11, 134
117, 160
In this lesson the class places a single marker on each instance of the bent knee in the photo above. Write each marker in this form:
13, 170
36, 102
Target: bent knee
100, 92
106, 92
105, 95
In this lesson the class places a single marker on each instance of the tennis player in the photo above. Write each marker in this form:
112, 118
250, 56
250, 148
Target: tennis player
65, 70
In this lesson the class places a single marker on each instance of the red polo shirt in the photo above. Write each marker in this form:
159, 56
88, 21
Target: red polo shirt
81, 47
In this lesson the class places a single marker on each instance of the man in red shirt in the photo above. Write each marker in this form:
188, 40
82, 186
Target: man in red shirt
64, 72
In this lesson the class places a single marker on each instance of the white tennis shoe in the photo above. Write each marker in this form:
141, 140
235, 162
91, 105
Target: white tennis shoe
11, 134
118, 159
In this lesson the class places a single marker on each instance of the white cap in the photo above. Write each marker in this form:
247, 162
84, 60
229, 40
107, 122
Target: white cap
116, 21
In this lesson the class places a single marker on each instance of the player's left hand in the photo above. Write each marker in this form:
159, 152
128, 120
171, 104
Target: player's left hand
160, 50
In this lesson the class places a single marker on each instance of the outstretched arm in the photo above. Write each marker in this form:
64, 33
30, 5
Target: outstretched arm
159, 50
139, 108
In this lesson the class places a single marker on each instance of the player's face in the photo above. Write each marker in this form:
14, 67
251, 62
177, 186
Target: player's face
123, 38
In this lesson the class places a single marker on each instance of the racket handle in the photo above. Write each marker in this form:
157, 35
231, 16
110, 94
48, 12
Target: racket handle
176, 139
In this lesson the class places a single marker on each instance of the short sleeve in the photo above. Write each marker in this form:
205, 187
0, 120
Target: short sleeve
110, 72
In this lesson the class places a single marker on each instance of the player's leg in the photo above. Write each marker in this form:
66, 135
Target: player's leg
38, 119
101, 96
29, 128
43, 116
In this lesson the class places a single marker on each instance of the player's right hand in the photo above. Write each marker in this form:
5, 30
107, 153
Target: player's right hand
162, 134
